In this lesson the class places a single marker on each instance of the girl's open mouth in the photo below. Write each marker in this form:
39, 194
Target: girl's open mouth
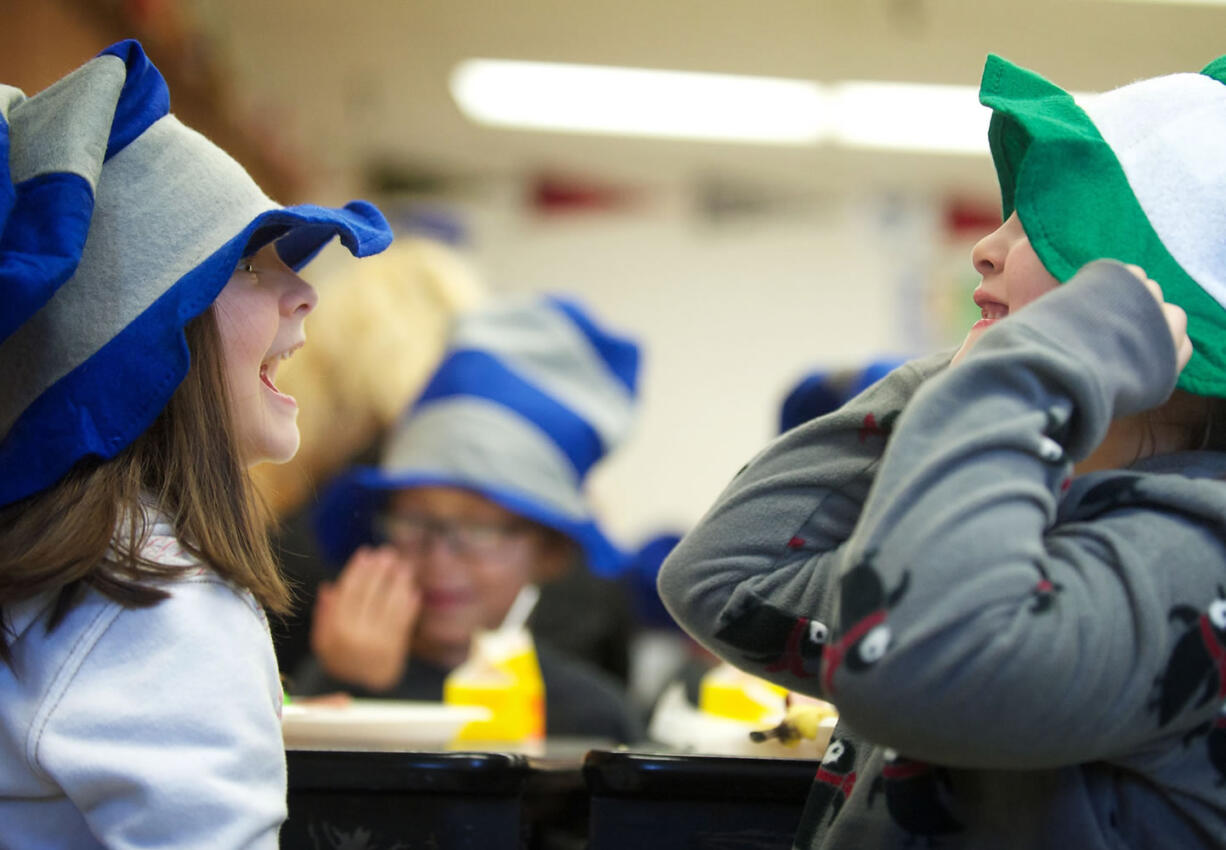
268, 370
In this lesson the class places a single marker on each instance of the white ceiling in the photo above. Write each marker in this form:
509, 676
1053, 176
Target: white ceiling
352, 83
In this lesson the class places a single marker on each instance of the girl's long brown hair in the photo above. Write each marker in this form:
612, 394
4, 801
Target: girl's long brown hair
88, 529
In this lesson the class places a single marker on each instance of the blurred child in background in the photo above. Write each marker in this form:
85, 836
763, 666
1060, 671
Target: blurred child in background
477, 493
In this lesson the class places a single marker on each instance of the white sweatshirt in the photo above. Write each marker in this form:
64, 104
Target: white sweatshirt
143, 727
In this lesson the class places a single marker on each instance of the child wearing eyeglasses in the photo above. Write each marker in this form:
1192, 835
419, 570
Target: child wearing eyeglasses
478, 493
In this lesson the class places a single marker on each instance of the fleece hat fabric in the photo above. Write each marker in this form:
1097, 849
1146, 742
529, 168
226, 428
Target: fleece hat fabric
1135, 174
529, 396
118, 225
826, 390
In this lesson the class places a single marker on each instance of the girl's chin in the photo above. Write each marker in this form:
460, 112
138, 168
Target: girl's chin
272, 447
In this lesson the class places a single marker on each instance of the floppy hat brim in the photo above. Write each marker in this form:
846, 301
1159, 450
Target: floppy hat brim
1076, 205
344, 518
303, 230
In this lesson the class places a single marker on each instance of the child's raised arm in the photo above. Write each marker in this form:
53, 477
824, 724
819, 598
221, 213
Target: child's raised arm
755, 579
1033, 612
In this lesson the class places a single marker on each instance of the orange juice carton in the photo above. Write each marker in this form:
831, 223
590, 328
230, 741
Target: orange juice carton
502, 674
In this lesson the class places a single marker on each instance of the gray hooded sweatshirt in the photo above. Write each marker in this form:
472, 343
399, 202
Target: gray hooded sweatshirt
1020, 658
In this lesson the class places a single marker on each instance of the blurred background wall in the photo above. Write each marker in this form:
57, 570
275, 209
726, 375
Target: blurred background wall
739, 265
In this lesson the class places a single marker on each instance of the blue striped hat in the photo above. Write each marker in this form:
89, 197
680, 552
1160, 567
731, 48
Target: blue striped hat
530, 395
118, 225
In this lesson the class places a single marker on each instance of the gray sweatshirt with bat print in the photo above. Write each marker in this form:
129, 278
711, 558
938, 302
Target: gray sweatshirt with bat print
1021, 658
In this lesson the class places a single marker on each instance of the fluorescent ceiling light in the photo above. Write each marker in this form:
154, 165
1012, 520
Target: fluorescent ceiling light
638, 102
912, 117
721, 107
909, 116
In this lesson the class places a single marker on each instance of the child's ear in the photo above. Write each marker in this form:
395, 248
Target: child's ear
558, 554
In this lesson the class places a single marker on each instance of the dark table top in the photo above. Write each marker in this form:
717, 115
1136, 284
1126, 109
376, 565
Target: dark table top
560, 765
389, 770
684, 776
565, 795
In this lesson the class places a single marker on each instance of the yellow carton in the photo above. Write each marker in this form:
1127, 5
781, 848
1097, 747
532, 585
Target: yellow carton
502, 673
728, 692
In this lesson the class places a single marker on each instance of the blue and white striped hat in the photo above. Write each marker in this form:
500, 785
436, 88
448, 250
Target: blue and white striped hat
118, 225
530, 395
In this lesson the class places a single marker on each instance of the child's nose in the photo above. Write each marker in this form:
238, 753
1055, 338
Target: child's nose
299, 297
988, 255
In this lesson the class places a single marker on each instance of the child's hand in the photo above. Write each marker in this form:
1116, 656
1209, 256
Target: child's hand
363, 622
1176, 319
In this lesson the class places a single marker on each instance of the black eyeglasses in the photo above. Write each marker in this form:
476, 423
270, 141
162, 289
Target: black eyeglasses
413, 532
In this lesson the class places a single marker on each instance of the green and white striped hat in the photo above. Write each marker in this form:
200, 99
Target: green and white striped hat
1136, 174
